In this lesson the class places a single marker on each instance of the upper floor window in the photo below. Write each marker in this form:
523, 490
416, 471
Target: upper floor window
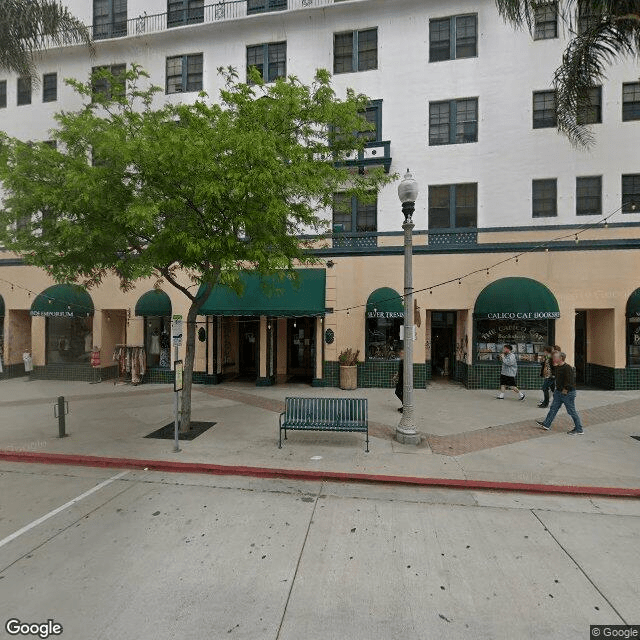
453, 121
544, 198
591, 113
544, 109
355, 51
545, 21
453, 206
631, 193
631, 101
270, 59
587, 17
109, 18
349, 215
453, 37
105, 87
3, 94
49, 87
184, 73
373, 115
260, 6
589, 196
24, 91
181, 12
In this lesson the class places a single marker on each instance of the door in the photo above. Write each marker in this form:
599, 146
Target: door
249, 332
581, 346
301, 348
443, 342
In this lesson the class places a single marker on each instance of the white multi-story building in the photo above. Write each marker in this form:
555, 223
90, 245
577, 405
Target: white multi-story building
463, 100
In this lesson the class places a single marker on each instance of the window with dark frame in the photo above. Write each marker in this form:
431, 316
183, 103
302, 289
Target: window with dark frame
373, 115
544, 109
591, 113
3, 94
104, 86
545, 21
184, 73
453, 37
24, 91
349, 214
270, 59
453, 121
262, 6
631, 193
180, 12
544, 198
630, 101
109, 19
587, 17
589, 196
49, 87
453, 206
355, 51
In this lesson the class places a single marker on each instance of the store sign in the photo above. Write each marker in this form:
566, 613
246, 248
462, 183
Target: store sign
385, 314
530, 315
53, 314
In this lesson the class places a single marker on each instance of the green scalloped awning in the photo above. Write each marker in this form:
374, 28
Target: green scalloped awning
63, 300
385, 303
1, 306
516, 299
154, 303
633, 304
270, 296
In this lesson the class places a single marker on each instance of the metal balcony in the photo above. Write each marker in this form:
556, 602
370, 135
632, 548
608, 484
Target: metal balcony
375, 154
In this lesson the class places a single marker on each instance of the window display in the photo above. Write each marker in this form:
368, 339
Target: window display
69, 340
528, 338
383, 335
633, 341
157, 341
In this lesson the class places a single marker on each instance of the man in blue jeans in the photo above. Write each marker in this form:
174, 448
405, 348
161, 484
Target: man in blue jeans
565, 394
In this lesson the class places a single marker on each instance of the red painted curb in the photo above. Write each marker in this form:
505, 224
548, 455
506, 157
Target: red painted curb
299, 474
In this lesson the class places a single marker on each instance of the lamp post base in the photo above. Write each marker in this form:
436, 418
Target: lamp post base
407, 437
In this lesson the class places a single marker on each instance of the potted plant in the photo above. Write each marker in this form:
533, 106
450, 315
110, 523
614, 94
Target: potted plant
348, 360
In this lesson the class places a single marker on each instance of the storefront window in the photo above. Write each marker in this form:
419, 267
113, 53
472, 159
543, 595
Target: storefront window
383, 335
157, 341
69, 340
633, 333
528, 338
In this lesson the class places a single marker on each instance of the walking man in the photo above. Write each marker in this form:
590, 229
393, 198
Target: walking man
546, 373
508, 372
399, 377
564, 394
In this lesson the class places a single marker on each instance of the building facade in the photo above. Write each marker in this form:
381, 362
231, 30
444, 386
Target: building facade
456, 95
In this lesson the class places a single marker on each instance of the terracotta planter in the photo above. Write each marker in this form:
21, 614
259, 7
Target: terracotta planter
349, 377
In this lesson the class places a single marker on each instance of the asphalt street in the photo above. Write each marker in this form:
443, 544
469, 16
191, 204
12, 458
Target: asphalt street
142, 555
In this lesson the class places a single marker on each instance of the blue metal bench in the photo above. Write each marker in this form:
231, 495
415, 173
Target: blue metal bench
324, 414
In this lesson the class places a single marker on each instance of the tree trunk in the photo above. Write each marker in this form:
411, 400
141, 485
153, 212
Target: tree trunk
185, 421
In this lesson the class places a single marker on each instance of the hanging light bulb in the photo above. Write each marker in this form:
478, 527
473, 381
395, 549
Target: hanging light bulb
516, 258
487, 271
348, 312
577, 238
430, 292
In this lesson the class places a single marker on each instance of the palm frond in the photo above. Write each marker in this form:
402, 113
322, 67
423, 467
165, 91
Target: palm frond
32, 26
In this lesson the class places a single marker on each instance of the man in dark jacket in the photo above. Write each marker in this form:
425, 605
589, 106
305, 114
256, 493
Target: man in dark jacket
400, 379
564, 394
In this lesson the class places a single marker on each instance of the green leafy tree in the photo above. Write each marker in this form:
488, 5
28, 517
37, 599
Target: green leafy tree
32, 26
600, 32
192, 194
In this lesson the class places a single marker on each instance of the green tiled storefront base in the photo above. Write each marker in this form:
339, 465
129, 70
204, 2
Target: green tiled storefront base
165, 376
614, 379
12, 371
376, 374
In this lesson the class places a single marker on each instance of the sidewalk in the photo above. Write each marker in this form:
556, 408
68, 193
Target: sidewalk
467, 435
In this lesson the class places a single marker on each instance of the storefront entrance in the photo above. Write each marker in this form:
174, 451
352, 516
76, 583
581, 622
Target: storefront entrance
443, 342
301, 348
249, 337
581, 346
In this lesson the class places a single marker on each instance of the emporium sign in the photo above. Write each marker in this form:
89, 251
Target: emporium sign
53, 314
385, 314
522, 315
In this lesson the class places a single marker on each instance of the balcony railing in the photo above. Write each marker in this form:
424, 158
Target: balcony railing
217, 12
354, 240
375, 154
453, 238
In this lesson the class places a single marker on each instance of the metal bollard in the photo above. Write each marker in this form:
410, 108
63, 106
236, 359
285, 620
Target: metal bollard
60, 411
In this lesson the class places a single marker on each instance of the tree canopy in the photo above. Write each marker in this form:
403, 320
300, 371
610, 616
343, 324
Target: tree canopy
601, 33
191, 193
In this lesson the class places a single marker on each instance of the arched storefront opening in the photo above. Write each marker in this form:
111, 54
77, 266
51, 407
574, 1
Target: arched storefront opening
384, 317
155, 307
516, 311
68, 310
633, 329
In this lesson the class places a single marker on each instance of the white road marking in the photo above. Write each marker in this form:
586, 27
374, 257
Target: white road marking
77, 499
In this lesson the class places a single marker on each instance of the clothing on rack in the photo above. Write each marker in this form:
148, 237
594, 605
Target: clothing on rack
131, 360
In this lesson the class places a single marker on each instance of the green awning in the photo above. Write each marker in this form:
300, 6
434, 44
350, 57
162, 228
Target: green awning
1, 306
385, 303
633, 304
63, 300
270, 296
153, 303
516, 299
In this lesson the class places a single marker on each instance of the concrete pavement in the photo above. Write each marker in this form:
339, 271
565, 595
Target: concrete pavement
468, 435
